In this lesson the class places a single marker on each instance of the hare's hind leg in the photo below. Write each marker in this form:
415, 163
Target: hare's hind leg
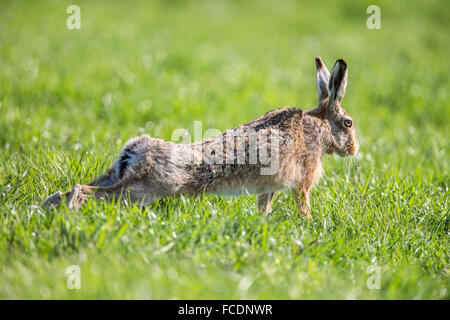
265, 202
104, 180
133, 192
74, 198
54, 200
80, 193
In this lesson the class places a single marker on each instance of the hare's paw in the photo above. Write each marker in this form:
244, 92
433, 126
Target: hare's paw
53, 201
77, 197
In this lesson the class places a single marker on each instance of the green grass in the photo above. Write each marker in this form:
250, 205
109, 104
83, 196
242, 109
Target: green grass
70, 98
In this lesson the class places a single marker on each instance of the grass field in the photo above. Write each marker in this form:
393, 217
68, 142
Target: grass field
69, 99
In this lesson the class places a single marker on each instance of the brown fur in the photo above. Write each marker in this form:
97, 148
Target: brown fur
150, 169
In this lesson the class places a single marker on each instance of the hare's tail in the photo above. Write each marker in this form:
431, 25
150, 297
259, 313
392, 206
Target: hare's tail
126, 158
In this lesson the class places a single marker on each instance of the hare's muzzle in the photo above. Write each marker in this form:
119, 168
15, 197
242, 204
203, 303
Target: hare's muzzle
353, 148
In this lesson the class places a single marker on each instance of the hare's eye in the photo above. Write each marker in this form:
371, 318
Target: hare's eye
348, 123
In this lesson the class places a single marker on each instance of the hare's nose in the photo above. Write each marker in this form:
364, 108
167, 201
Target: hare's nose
354, 147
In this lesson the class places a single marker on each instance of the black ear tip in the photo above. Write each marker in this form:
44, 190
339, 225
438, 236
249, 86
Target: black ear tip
342, 62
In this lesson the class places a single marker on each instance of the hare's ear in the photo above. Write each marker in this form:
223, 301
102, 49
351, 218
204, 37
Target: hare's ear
337, 84
322, 77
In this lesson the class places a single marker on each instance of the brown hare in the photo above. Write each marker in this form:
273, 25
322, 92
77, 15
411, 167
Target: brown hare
281, 149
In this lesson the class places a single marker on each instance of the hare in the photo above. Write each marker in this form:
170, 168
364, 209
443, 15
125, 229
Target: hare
281, 149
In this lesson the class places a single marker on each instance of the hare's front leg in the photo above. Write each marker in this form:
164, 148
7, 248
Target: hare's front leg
265, 202
301, 195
